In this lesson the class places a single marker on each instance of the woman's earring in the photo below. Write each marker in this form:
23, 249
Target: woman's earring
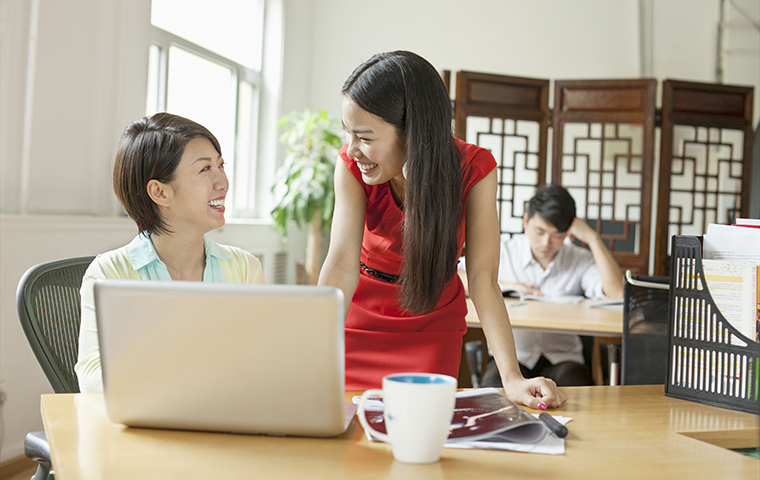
403, 170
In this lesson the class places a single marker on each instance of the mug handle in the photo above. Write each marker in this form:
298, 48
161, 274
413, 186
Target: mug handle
363, 419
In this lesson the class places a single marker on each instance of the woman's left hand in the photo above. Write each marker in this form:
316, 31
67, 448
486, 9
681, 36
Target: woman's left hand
535, 392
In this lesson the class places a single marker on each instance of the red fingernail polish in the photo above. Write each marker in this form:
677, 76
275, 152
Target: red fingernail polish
542, 406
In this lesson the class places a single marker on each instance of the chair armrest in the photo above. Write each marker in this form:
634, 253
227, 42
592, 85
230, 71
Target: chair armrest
36, 448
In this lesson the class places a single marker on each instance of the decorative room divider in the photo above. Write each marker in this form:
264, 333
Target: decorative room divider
602, 146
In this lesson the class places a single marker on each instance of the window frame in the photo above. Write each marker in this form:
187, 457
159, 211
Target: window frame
157, 81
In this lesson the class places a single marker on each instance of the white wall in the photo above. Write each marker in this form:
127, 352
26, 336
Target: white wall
741, 56
26, 241
685, 37
551, 39
89, 82
548, 39
84, 84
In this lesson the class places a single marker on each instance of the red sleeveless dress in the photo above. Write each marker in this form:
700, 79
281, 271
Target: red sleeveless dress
381, 338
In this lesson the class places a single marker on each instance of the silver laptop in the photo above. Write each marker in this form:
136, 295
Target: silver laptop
264, 359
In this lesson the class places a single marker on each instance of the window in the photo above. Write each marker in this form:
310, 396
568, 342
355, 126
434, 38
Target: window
206, 64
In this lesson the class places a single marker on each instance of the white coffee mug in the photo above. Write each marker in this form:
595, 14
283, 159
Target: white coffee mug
418, 408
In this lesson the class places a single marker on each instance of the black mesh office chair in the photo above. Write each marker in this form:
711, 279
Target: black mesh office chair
645, 330
49, 308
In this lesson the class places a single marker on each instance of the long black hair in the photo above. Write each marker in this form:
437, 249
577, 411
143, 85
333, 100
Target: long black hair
406, 91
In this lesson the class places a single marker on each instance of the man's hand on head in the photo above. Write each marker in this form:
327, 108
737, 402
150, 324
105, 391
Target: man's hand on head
582, 231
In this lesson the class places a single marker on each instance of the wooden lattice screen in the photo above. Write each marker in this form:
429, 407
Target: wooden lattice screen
603, 147
603, 153
510, 117
705, 158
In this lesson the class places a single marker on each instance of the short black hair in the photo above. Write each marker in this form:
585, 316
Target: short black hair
554, 204
151, 148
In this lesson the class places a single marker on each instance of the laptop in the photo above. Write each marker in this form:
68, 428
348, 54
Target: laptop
258, 359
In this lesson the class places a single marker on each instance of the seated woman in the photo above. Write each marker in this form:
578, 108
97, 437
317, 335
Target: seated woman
169, 176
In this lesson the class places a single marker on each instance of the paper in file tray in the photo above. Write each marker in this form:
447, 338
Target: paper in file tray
709, 361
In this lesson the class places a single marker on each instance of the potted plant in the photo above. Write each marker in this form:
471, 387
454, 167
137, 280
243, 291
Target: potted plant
303, 188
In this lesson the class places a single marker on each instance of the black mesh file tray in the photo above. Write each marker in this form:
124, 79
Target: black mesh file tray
709, 361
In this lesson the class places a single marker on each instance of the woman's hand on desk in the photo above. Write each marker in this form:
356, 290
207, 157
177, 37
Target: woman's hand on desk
533, 391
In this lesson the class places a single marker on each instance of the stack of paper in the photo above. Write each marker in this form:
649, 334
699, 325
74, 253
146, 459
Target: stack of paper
731, 265
733, 242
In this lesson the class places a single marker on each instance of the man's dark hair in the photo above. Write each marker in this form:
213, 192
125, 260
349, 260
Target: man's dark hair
554, 204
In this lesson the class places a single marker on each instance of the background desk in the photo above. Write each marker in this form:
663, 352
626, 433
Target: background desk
617, 432
578, 318
604, 324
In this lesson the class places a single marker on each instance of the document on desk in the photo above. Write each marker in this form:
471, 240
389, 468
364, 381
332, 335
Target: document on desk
486, 419
608, 303
522, 297
554, 299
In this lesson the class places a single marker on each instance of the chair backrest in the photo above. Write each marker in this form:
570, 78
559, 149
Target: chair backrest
49, 308
645, 330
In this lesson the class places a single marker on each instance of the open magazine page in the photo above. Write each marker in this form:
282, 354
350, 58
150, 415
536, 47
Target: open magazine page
484, 418
485, 413
554, 298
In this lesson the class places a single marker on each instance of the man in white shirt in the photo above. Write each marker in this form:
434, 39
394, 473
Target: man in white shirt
542, 263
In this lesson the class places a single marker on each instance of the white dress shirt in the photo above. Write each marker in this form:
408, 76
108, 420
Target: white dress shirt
571, 272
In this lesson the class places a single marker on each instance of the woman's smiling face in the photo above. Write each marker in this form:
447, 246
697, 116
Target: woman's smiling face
373, 144
199, 188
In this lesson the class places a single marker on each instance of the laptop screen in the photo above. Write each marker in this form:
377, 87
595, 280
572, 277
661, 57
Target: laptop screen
222, 357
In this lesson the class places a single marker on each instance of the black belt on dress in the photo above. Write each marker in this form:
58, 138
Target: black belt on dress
381, 275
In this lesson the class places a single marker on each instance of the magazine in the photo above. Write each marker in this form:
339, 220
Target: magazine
480, 415
545, 298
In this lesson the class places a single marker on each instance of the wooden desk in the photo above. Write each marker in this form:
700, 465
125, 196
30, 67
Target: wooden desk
578, 319
630, 432
604, 324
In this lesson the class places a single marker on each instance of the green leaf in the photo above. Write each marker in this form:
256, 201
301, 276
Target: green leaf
304, 182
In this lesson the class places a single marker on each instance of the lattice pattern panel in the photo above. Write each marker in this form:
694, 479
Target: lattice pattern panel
601, 167
514, 145
603, 154
706, 178
510, 117
705, 155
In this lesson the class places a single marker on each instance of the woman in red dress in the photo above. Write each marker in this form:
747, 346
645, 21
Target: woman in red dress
407, 196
